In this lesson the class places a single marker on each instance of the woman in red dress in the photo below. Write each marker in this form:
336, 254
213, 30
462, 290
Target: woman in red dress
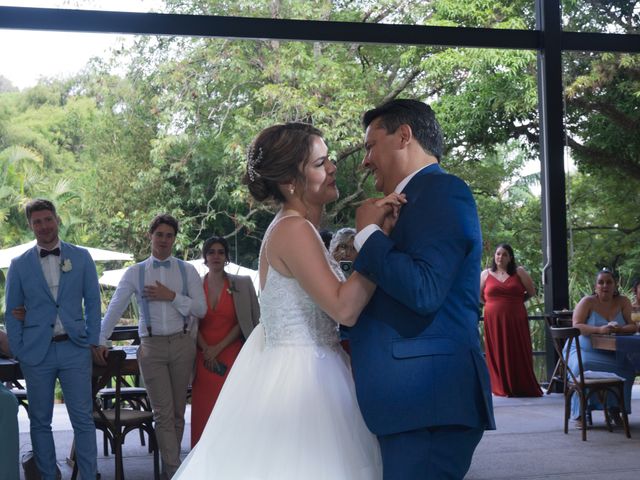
503, 289
231, 315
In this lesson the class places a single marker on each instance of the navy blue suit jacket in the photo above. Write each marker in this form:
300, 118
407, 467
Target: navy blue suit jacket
416, 352
78, 303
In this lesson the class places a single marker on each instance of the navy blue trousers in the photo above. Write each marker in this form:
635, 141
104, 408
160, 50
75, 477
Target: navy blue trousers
434, 453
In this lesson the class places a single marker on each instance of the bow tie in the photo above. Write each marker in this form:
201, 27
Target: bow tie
44, 253
158, 264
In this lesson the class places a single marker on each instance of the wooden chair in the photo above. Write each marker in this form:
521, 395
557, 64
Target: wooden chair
575, 383
116, 422
134, 395
557, 318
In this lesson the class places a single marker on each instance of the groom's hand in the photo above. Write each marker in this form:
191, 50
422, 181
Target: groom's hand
390, 221
382, 212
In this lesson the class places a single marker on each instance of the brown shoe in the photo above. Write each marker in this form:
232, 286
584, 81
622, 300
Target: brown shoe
578, 423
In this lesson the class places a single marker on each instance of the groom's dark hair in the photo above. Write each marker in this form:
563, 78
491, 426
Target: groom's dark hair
39, 205
418, 115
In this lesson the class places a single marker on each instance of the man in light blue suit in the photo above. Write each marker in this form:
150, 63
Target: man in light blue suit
53, 319
421, 379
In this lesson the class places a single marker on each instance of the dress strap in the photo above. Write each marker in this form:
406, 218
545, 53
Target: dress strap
270, 228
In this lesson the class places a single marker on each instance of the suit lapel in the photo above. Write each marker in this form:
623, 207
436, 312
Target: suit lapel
36, 266
64, 254
241, 303
411, 190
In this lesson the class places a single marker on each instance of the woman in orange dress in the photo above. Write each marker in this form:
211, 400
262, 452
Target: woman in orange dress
231, 315
503, 289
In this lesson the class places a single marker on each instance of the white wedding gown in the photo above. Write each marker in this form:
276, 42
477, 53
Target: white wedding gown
288, 410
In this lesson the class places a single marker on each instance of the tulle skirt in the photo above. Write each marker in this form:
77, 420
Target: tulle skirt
286, 412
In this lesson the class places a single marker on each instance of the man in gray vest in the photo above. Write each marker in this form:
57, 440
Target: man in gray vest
168, 292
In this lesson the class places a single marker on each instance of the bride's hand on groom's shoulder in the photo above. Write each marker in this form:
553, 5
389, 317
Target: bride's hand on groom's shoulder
380, 211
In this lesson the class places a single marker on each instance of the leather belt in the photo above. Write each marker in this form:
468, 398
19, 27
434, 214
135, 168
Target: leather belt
60, 338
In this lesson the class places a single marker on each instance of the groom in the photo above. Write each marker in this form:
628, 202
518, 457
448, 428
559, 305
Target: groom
53, 317
421, 380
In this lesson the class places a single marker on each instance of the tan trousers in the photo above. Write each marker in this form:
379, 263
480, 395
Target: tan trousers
166, 363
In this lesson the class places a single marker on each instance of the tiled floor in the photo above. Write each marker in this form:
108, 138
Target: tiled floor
528, 444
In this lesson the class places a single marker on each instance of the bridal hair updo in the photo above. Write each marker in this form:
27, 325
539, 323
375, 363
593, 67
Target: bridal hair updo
277, 156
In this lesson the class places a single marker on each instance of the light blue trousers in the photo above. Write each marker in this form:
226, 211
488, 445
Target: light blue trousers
72, 365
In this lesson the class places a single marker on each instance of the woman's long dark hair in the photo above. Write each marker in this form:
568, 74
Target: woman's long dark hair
512, 266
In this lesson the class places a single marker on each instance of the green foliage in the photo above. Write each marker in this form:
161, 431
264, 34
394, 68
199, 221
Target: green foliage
171, 134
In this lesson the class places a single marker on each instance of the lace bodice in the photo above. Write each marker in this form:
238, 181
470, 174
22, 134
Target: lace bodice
289, 316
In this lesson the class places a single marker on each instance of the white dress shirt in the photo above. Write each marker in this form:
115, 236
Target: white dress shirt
51, 270
364, 234
167, 318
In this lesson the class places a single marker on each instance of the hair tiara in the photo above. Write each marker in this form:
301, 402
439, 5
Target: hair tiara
252, 162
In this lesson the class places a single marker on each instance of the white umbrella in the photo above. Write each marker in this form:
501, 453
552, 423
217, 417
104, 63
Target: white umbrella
97, 254
111, 278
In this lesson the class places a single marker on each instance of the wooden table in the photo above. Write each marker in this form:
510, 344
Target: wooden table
628, 343
624, 344
10, 369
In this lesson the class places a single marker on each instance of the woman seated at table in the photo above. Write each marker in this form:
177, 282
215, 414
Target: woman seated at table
603, 312
635, 303
232, 312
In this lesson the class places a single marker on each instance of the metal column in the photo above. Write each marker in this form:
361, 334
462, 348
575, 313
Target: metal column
555, 275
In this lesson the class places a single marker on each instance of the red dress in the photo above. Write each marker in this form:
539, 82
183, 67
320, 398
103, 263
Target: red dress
206, 386
508, 340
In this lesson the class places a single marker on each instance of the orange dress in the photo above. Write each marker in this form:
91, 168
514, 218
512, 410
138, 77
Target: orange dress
206, 386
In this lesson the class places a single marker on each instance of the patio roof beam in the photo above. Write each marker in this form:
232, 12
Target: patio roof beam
93, 21
261, 28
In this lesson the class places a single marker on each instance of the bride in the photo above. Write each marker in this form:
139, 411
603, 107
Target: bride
288, 409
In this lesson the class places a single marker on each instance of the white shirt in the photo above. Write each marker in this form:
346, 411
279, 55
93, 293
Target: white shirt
364, 234
167, 317
51, 270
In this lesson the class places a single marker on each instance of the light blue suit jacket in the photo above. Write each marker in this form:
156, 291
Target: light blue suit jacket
416, 352
78, 303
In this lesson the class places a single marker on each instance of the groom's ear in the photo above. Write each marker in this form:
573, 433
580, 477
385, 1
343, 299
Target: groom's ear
406, 134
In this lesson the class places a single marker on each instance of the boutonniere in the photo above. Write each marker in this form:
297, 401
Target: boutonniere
229, 291
232, 288
66, 265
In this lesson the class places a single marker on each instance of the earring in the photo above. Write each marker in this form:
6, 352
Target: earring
292, 189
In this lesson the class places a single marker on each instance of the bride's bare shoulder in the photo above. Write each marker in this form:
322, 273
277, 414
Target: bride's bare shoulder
288, 228
290, 234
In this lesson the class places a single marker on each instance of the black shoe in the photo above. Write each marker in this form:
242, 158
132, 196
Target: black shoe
615, 416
